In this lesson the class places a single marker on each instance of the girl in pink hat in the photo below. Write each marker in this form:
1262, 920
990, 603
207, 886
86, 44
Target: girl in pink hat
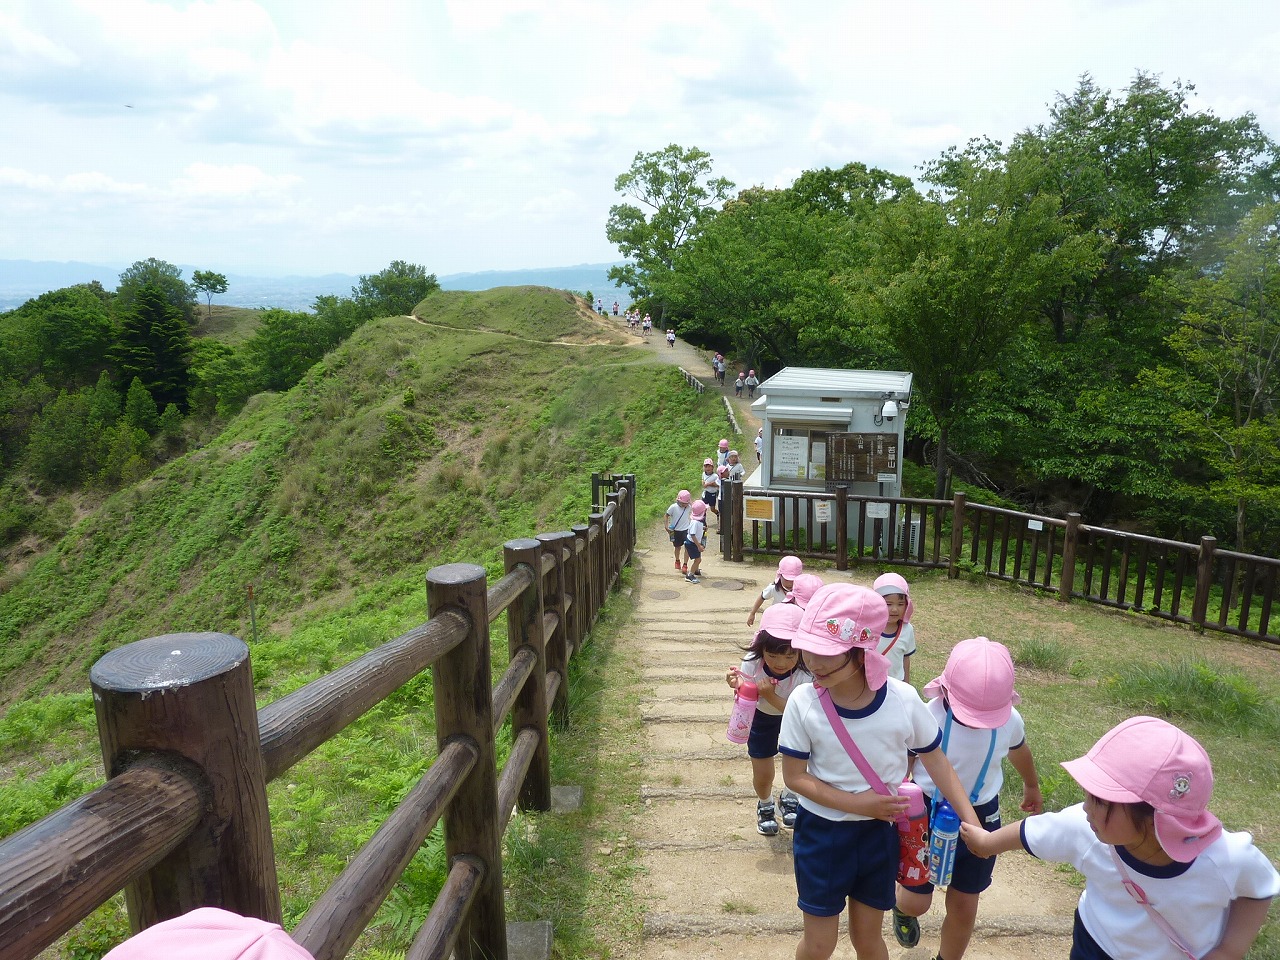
844, 741
788, 569
776, 669
898, 642
695, 540
710, 485
973, 701
1163, 880
679, 515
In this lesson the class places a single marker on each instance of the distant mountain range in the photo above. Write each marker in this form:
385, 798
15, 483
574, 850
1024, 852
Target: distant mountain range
20, 280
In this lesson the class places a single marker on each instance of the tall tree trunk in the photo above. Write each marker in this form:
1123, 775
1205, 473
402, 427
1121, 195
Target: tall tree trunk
940, 479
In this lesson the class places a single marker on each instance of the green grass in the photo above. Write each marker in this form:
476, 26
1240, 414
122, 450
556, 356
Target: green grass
1042, 654
1198, 691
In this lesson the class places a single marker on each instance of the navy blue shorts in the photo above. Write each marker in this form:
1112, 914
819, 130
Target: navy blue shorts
695, 551
972, 874
837, 860
709, 497
762, 741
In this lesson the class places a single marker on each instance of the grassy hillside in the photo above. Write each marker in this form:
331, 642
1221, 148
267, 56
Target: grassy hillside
413, 444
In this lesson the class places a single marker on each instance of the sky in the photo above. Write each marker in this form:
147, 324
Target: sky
272, 137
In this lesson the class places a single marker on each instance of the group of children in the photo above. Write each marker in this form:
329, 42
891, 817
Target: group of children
687, 518
832, 663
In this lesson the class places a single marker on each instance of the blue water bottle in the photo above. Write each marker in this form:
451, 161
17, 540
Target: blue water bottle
942, 844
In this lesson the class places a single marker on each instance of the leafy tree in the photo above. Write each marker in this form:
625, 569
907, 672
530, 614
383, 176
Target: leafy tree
58, 450
950, 277
140, 407
64, 334
209, 283
125, 449
155, 346
157, 273
1227, 381
394, 292
221, 379
286, 345
676, 195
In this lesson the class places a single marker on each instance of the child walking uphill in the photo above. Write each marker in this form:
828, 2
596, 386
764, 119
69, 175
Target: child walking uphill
775, 668
973, 701
1163, 880
844, 738
898, 642
788, 569
695, 540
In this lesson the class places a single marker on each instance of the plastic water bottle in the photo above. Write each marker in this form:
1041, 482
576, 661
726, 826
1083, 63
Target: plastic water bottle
744, 710
913, 837
943, 843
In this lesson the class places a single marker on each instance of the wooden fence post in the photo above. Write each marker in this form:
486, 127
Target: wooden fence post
615, 538
464, 709
557, 653
957, 534
190, 696
729, 509
599, 573
1204, 580
1069, 542
582, 601
524, 628
842, 526
629, 480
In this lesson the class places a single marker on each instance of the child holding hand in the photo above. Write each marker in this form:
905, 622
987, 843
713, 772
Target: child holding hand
788, 569
973, 701
1163, 880
775, 668
844, 738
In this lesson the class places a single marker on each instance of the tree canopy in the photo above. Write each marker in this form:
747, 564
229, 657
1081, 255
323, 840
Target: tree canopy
209, 283
395, 291
162, 275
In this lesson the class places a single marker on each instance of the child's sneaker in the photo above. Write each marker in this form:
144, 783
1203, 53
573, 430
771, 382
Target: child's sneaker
684, 568
906, 929
766, 818
789, 803
692, 578
677, 564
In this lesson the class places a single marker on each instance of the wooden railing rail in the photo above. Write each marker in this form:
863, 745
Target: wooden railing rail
1191, 583
183, 822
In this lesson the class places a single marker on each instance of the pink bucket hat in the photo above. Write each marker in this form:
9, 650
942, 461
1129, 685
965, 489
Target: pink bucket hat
888, 584
841, 617
724, 444
1151, 760
802, 588
208, 933
781, 620
708, 462
699, 510
682, 496
790, 567
978, 682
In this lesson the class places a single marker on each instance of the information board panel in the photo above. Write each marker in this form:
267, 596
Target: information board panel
861, 457
760, 508
791, 457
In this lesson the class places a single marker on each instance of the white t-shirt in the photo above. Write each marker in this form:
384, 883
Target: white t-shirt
737, 471
905, 646
773, 594
896, 721
967, 748
678, 516
695, 532
711, 481
1193, 897
758, 671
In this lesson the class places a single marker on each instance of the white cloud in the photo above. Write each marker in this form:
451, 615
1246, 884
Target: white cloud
235, 180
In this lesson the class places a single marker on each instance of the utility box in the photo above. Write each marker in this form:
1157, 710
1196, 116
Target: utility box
824, 428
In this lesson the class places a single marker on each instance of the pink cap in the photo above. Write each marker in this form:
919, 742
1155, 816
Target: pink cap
978, 682
723, 471
724, 444
790, 567
208, 933
781, 620
888, 584
802, 588
1151, 760
733, 453
682, 496
699, 510
841, 617
708, 462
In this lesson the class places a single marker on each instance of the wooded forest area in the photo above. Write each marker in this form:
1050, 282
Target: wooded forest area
1090, 311
98, 386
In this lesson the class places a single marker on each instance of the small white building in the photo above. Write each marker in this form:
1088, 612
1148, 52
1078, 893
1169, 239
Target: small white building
826, 427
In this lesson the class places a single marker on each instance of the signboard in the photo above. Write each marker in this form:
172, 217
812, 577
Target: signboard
877, 511
791, 458
760, 508
818, 461
886, 478
822, 511
1035, 524
861, 457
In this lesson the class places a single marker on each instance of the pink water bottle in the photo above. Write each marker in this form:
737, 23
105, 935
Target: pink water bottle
913, 838
744, 710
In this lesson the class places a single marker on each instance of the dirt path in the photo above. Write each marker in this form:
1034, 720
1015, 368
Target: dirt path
714, 887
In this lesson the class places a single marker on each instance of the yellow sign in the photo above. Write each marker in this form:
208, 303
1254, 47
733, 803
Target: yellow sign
760, 508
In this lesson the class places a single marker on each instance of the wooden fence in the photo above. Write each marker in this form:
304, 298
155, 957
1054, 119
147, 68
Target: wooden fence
182, 820
1192, 583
